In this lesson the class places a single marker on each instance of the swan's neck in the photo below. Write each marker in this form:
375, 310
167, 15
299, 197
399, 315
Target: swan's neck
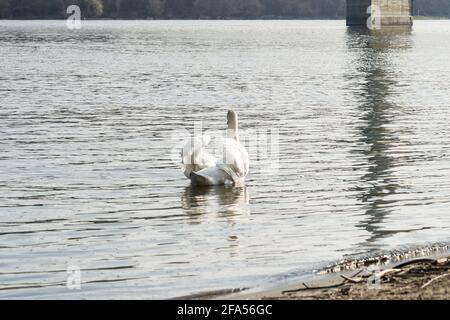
232, 131
233, 134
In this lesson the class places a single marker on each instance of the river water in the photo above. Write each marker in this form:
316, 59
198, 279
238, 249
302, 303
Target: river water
359, 157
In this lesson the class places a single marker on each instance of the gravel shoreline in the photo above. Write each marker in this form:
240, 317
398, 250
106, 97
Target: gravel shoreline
417, 279
422, 279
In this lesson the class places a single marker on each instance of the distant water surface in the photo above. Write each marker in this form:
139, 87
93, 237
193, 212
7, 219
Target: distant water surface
87, 177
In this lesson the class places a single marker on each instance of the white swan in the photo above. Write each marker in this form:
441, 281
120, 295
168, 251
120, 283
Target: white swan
205, 170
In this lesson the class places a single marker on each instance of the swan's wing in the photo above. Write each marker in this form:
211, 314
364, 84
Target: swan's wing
194, 157
245, 159
236, 160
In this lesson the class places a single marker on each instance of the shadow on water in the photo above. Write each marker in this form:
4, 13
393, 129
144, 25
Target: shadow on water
225, 201
373, 53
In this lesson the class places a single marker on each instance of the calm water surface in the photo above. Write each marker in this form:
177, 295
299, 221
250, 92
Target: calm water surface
87, 177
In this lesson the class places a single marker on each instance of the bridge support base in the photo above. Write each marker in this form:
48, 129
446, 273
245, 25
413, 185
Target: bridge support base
382, 12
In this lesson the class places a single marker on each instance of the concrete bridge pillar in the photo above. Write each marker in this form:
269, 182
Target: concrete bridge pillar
389, 12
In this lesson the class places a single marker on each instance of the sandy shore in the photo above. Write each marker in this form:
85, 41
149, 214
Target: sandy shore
416, 279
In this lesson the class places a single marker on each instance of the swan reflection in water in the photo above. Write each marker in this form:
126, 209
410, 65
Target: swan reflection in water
225, 201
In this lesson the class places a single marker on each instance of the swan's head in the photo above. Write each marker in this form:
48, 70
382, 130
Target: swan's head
232, 118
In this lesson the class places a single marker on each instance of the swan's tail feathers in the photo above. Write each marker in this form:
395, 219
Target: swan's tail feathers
210, 177
199, 180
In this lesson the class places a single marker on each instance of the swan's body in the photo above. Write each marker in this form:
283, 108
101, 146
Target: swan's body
204, 170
